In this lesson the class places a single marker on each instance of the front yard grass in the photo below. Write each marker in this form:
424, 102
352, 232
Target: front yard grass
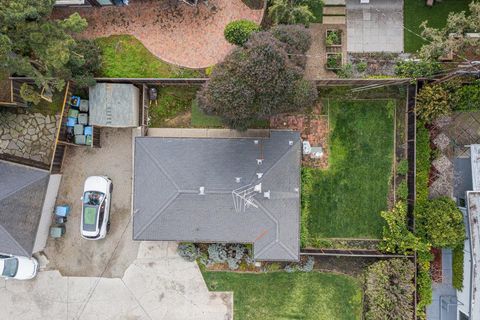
415, 12
345, 200
124, 56
282, 295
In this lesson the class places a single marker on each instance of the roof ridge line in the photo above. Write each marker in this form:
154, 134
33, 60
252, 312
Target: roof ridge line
279, 159
23, 187
14, 240
159, 212
158, 164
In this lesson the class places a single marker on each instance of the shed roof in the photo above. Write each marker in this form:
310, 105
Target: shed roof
114, 105
169, 173
22, 192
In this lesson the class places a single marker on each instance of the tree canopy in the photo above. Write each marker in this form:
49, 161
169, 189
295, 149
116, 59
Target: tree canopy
33, 45
255, 82
440, 222
453, 37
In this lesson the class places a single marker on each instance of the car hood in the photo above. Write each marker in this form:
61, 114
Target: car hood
96, 183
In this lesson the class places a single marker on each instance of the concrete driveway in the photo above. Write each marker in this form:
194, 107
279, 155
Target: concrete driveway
110, 257
375, 27
159, 284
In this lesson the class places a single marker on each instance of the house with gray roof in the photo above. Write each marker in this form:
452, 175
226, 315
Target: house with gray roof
235, 190
27, 197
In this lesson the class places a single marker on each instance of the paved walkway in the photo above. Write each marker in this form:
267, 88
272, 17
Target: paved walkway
159, 284
30, 136
180, 34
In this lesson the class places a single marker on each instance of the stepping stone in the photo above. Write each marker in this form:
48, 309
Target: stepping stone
334, 11
334, 2
334, 20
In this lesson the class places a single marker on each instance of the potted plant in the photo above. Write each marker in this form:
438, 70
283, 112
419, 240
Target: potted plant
334, 61
333, 38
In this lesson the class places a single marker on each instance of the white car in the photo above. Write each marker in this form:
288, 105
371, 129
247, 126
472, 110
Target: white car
16, 267
97, 195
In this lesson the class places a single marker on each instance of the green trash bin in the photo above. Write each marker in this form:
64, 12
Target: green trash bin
83, 118
73, 113
88, 140
79, 139
78, 129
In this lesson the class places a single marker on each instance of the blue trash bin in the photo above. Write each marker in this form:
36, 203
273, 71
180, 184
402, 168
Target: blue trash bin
62, 210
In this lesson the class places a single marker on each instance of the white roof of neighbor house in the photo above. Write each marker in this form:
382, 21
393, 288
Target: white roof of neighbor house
473, 199
69, 2
475, 160
114, 105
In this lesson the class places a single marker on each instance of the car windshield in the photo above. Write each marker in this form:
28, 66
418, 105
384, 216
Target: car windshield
93, 198
10, 266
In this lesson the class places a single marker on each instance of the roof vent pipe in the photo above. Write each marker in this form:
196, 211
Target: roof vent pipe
202, 191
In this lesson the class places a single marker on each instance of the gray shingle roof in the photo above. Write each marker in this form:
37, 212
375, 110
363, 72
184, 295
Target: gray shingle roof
170, 171
114, 105
22, 192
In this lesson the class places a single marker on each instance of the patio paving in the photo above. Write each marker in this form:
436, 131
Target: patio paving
375, 27
29, 136
178, 34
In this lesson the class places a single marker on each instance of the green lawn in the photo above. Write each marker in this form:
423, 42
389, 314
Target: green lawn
172, 101
124, 56
415, 12
201, 120
316, 6
345, 201
281, 295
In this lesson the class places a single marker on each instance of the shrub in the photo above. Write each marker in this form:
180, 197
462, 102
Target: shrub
457, 267
255, 82
346, 71
389, 290
232, 263
402, 190
297, 40
416, 69
217, 253
361, 66
188, 251
432, 101
468, 97
424, 288
237, 32
307, 266
396, 236
290, 268
290, 12
402, 167
272, 267
423, 153
440, 222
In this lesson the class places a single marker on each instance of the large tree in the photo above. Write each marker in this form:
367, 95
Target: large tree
33, 45
255, 82
453, 37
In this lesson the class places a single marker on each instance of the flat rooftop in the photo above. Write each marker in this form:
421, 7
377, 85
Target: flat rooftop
238, 190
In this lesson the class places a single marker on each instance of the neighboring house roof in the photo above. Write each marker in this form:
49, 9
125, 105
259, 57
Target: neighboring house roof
22, 192
169, 173
114, 105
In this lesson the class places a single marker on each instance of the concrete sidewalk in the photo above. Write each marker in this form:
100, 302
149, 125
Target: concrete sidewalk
159, 284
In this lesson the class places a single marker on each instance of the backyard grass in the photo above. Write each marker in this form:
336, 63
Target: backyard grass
50, 108
201, 120
123, 56
415, 12
172, 101
281, 295
316, 6
345, 200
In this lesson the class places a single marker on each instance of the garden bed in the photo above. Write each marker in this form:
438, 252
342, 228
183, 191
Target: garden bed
334, 61
333, 38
